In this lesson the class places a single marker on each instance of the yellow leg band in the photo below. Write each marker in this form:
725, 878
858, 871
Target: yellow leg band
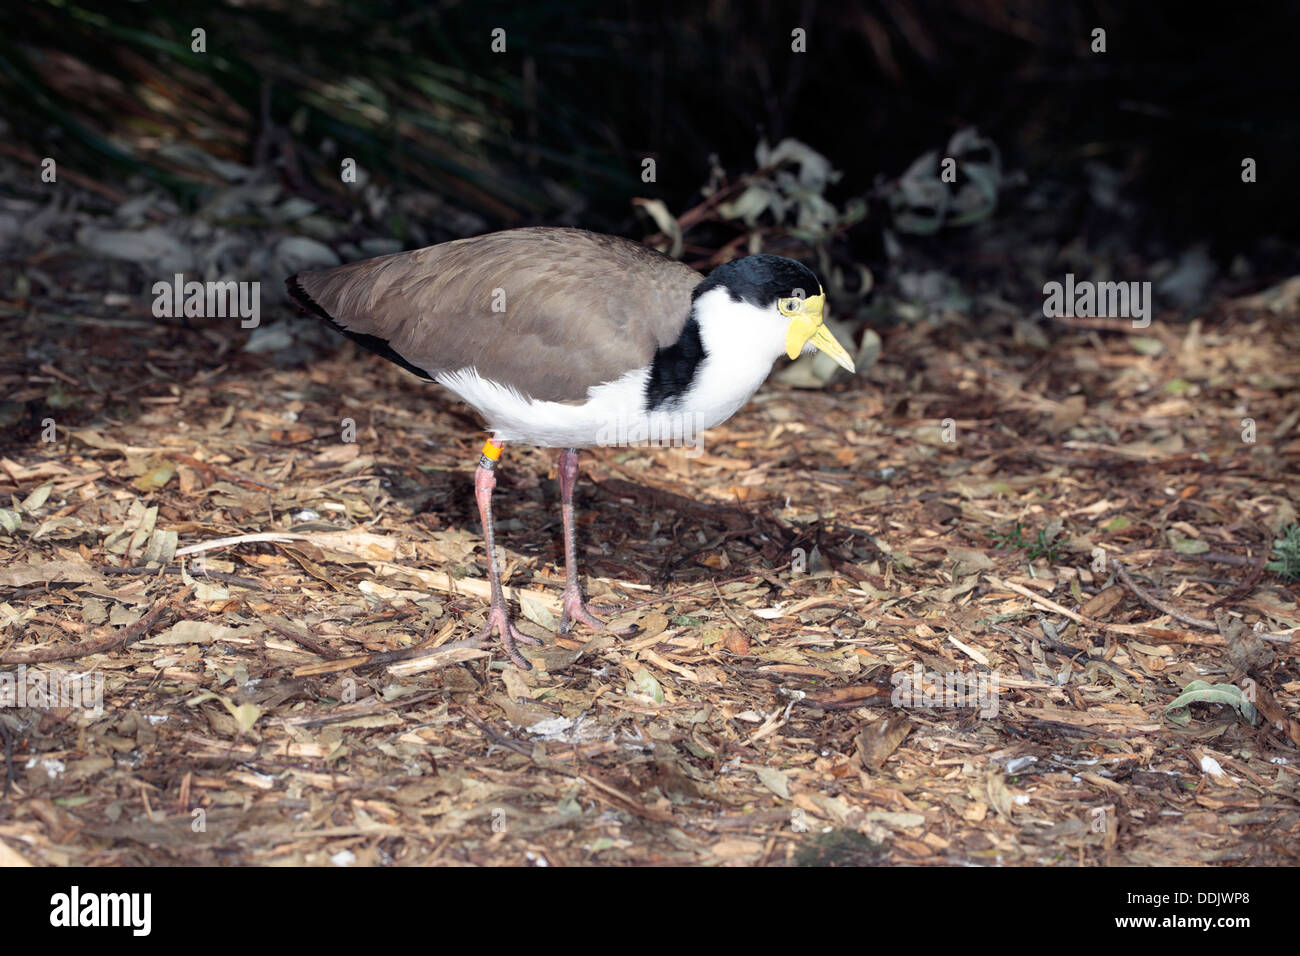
491, 452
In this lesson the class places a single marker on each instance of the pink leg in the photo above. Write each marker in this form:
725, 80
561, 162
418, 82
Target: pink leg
575, 609
498, 617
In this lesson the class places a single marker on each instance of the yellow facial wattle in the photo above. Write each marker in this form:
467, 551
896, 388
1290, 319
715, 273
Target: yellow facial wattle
807, 326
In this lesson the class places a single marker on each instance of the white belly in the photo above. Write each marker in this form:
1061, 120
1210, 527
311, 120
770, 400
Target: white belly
613, 414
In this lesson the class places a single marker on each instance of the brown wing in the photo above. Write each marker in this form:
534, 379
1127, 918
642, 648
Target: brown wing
573, 309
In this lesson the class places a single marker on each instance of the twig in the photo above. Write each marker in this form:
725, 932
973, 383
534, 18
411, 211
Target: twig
1096, 324
320, 650
223, 473
418, 659
722, 603
10, 774
1138, 630
1047, 603
697, 213
371, 707
120, 638
271, 537
1217, 557
606, 791
76, 178
664, 598
1246, 587
1159, 605
250, 583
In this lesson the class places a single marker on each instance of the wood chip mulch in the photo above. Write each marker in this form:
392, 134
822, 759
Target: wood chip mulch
1074, 527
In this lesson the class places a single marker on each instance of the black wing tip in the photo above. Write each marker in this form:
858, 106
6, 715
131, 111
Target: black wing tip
303, 297
371, 343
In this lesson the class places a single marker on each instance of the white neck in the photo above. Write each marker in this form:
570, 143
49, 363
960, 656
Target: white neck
741, 341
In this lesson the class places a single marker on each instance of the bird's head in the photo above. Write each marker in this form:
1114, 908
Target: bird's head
786, 297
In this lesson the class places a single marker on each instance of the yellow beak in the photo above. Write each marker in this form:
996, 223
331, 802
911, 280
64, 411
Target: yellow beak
808, 327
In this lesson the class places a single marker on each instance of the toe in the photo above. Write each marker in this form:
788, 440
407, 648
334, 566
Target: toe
512, 652
523, 638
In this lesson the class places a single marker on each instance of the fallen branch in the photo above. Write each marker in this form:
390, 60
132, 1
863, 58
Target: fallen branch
272, 537
320, 650
664, 598
120, 638
223, 473
417, 661
1159, 605
1247, 586
1049, 604
603, 791
222, 577
405, 661
11, 776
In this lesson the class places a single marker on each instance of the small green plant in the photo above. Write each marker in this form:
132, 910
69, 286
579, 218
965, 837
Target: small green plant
1286, 554
1013, 540
1041, 546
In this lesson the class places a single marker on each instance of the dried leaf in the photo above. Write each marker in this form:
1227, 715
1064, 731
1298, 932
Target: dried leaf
877, 741
157, 473
774, 780
49, 572
536, 610
645, 685
1099, 606
37, 497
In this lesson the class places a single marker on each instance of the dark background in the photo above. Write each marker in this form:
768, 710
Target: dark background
554, 130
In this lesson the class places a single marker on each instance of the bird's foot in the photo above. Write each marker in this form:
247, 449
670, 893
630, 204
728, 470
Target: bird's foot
497, 619
575, 609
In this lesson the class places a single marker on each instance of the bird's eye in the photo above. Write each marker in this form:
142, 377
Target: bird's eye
791, 306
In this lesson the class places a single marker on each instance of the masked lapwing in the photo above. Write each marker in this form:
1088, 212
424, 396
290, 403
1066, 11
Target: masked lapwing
569, 339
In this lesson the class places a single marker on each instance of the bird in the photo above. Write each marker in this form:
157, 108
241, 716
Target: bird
569, 339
